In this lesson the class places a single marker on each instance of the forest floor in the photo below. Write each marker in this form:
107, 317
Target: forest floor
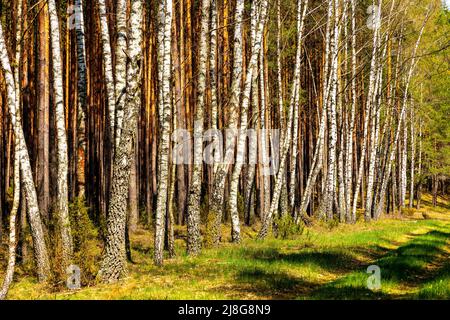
325, 262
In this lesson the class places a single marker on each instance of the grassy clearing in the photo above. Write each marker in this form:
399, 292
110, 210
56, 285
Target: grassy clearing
412, 252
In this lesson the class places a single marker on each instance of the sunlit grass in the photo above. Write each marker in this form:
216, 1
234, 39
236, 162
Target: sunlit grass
323, 263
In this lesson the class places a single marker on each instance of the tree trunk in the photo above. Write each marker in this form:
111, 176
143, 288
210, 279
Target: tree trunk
193, 219
164, 35
62, 151
387, 174
413, 159
82, 97
256, 34
216, 201
114, 260
108, 67
37, 232
294, 103
12, 229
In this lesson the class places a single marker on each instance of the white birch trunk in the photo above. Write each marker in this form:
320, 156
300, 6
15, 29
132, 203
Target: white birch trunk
332, 121
419, 168
404, 163
165, 34
37, 232
387, 174
413, 158
258, 26
264, 139
108, 67
294, 103
16, 177
368, 111
82, 97
114, 261
216, 201
120, 67
62, 151
351, 129
193, 218
12, 228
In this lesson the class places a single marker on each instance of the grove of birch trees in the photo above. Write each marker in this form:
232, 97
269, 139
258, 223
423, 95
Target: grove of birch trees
211, 116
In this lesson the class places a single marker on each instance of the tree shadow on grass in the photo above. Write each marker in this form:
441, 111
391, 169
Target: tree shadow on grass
437, 286
331, 260
272, 284
441, 203
405, 266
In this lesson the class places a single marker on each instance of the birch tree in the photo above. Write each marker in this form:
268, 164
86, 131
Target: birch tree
257, 29
368, 110
120, 67
108, 66
82, 96
193, 220
216, 201
294, 104
413, 158
12, 231
113, 265
164, 69
37, 232
351, 128
379, 206
62, 151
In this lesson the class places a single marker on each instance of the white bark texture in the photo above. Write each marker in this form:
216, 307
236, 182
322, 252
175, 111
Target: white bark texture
257, 28
193, 218
108, 66
120, 66
37, 232
114, 261
294, 103
216, 201
164, 63
82, 97
387, 174
62, 151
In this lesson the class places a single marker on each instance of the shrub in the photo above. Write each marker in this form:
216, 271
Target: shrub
87, 247
408, 212
286, 228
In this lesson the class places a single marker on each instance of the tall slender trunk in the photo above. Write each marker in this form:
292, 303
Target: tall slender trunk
114, 266
193, 219
108, 66
37, 232
265, 141
413, 158
252, 155
82, 97
164, 70
120, 67
62, 151
16, 178
43, 105
216, 201
12, 229
294, 103
419, 169
328, 200
368, 112
257, 29
387, 174
404, 162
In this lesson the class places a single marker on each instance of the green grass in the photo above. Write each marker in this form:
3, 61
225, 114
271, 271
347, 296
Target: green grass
320, 264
